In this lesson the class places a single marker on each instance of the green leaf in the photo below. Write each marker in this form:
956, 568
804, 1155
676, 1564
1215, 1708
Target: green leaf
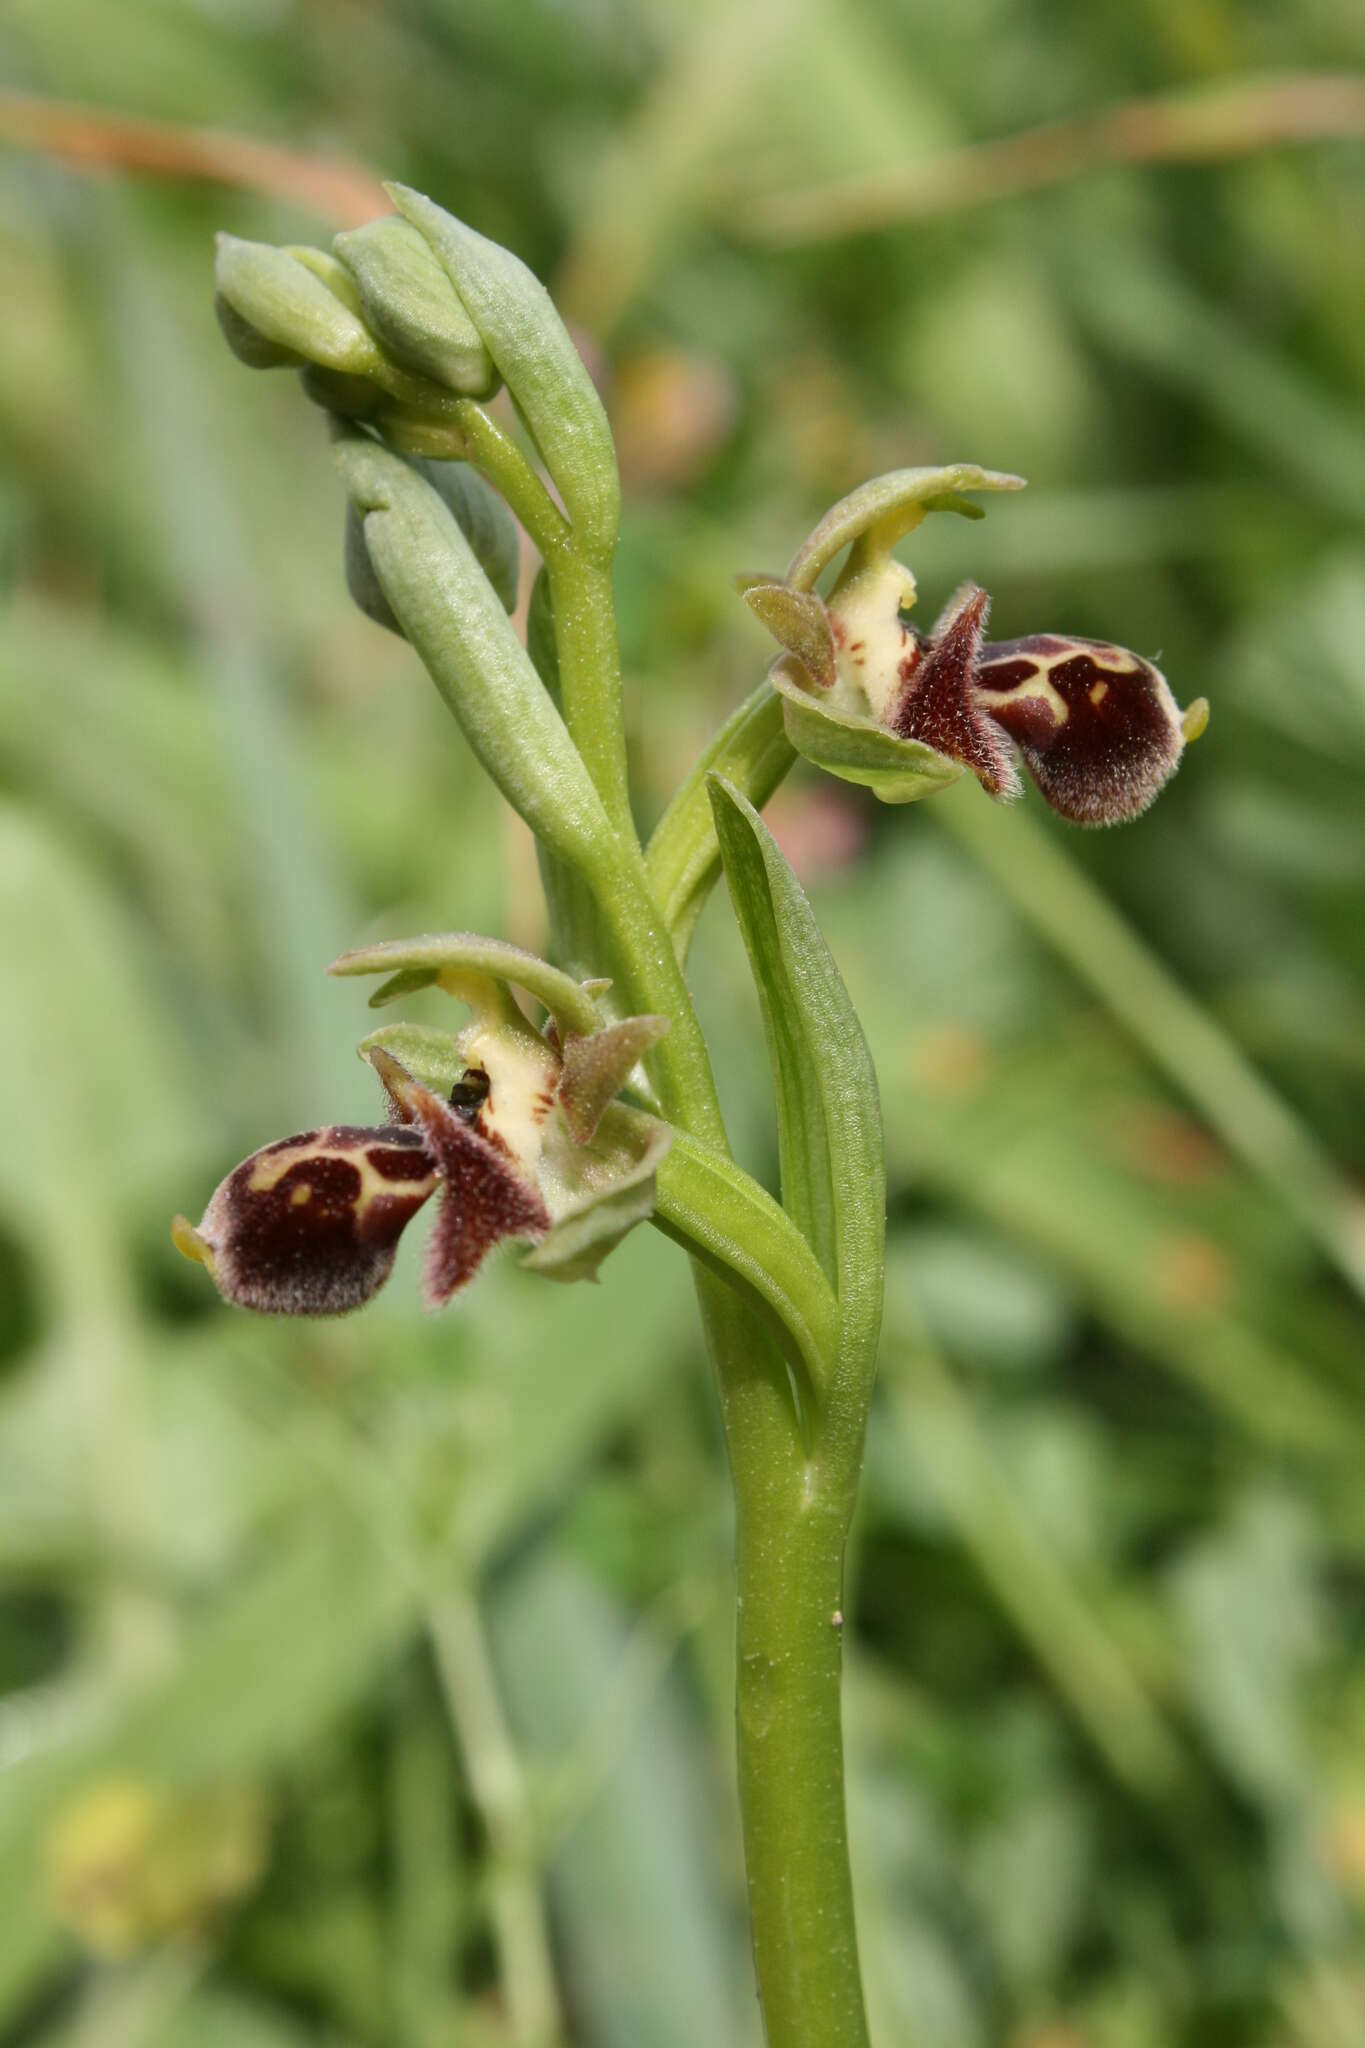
753, 753
447, 608
723, 1217
857, 749
539, 364
446, 956
886, 509
828, 1112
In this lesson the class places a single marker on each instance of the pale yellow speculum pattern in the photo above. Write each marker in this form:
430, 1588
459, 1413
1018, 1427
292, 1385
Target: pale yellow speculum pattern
270, 1171
1098, 692
1039, 687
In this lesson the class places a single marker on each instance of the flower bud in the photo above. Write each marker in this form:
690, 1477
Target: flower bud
482, 518
276, 312
413, 309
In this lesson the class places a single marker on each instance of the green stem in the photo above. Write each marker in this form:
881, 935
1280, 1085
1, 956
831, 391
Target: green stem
789, 1586
793, 1513
590, 676
795, 1478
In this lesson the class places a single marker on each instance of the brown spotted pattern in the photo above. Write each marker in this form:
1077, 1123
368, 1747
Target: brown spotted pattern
935, 702
1097, 726
310, 1225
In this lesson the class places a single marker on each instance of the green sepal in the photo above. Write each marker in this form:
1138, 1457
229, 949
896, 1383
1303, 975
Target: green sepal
828, 1109
482, 518
542, 369
413, 309
432, 1057
598, 1191
796, 619
881, 512
276, 312
597, 1067
452, 958
437, 590
856, 748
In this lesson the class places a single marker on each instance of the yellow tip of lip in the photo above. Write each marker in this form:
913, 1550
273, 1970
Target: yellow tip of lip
190, 1244
1194, 718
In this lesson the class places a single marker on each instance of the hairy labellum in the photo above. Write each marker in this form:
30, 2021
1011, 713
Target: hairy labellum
1098, 726
310, 1225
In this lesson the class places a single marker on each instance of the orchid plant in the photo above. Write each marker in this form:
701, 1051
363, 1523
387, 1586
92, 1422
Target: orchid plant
578, 1100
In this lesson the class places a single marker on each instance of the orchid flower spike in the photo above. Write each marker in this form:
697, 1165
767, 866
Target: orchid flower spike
872, 699
517, 1129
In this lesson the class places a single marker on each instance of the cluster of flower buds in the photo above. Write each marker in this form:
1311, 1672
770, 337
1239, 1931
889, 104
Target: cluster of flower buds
406, 323
518, 1129
873, 700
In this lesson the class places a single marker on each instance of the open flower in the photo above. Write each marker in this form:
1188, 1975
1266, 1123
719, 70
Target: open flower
873, 700
517, 1129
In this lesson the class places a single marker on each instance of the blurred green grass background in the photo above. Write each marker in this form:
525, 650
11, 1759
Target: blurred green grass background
369, 1683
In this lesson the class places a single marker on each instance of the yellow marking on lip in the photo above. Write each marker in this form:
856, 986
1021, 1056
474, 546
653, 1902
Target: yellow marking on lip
1038, 686
270, 1171
1098, 692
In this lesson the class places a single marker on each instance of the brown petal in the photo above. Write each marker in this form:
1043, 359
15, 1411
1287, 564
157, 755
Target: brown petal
486, 1197
310, 1226
935, 703
1097, 726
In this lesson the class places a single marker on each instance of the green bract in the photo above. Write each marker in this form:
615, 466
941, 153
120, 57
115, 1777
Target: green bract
479, 513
